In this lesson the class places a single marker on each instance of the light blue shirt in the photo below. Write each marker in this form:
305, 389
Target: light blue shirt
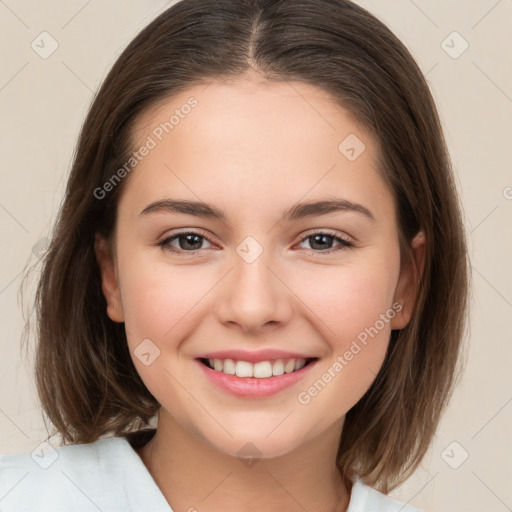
109, 476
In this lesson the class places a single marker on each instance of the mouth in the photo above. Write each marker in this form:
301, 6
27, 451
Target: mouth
257, 380
259, 370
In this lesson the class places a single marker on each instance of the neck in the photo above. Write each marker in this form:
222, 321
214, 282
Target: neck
192, 474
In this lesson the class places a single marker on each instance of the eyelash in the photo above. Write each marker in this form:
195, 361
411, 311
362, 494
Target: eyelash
165, 244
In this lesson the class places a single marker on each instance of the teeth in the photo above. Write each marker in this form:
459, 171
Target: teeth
229, 367
300, 363
261, 370
242, 368
278, 367
289, 366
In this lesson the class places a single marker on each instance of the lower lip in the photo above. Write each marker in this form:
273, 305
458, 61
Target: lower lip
251, 386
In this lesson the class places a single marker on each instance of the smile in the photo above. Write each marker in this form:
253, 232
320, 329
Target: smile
254, 380
259, 370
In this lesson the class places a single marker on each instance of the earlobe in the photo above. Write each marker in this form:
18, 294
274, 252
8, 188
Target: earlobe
408, 282
109, 281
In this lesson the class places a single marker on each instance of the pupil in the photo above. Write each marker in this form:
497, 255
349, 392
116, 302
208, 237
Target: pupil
188, 238
322, 245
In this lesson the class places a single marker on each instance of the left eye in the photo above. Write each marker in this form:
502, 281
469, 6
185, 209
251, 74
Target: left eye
319, 238
189, 241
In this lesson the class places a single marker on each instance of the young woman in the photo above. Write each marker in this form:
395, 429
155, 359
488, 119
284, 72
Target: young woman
261, 243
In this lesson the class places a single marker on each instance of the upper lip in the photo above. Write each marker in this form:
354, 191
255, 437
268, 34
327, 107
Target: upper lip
254, 356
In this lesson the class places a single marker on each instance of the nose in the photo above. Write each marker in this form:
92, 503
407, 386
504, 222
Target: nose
254, 295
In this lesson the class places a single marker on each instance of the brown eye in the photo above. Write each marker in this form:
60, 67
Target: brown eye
187, 241
321, 242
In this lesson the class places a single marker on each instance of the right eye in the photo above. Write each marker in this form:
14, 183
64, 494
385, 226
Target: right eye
188, 242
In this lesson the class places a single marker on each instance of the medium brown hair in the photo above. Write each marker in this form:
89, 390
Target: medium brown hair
86, 380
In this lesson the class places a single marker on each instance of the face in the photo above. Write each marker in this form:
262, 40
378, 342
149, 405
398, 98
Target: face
264, 272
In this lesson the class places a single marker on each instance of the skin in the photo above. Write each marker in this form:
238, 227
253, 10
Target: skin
253, 149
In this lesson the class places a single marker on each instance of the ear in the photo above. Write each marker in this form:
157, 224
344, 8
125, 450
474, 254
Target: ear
408, 282
109, 280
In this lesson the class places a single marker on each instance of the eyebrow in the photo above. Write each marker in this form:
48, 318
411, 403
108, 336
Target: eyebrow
296, 212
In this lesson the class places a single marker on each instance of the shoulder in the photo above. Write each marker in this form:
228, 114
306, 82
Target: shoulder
367, 499
64, 478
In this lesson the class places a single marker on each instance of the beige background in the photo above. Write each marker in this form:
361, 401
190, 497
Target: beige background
43, 103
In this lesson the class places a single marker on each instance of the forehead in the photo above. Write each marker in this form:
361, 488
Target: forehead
249, 140
278, 112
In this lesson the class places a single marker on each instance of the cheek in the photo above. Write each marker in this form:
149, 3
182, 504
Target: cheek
352, 307
348, 299
160, 300
161, 303
355, 314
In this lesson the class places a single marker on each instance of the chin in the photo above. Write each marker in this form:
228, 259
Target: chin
254, 443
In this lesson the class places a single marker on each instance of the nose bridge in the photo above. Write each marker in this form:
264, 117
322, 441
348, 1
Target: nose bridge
254, 295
